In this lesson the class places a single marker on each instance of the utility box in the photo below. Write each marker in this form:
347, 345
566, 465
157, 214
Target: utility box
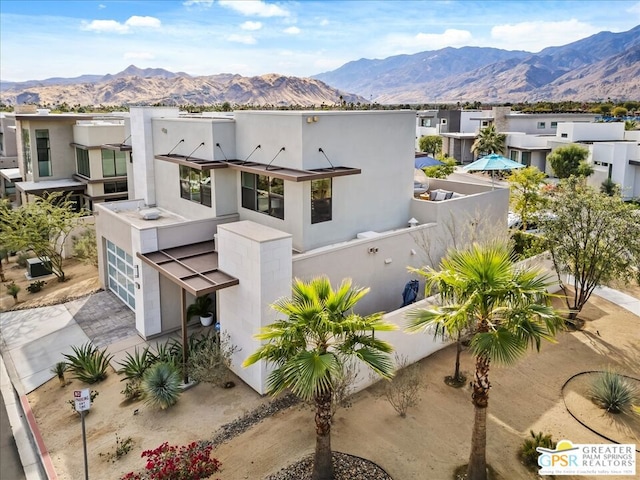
37, 267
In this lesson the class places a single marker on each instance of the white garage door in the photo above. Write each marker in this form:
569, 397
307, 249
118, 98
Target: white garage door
120, 272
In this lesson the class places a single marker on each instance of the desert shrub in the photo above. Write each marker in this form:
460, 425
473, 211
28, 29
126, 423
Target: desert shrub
13, 290
58, 370
403, 390
133, 368
528, 453
168, 352
343, 387
161, 385
36, 286
22, 258
613, 392
88, 364
123, 446
170, 462
210, 358
527, 245
85, 248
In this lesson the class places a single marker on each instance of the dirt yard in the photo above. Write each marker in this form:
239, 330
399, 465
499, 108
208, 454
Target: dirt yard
82, 279
428, 444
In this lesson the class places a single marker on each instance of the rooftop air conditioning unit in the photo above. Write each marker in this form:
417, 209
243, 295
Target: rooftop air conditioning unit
150, 213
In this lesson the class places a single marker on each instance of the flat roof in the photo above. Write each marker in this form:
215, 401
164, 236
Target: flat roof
10, 174
50, 185
193, 267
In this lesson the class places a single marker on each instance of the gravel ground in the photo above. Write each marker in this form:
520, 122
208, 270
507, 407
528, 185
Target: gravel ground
346, 467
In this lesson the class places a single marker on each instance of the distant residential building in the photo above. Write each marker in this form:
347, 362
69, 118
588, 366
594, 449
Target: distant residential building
78, 154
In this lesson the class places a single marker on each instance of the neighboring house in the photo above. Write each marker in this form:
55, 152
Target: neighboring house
9, 172
79, 154
235, 206
614, 153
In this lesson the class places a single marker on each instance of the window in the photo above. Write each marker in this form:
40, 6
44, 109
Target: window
554, 124
526, 158
195, 185
514, 155
44, 153
26, 151
443, 121
425, 122
263, 194
564, 135
82, 160
485, 123
1, 142
115, 187
321, 200
114, 164
542, 125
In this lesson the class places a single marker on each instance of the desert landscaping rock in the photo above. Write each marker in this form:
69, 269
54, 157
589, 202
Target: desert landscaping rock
346, 467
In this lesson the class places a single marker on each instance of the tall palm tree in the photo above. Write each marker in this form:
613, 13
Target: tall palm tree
310, 346
488, 141
505, 307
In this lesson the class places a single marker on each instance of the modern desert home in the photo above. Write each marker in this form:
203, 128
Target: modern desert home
235, 206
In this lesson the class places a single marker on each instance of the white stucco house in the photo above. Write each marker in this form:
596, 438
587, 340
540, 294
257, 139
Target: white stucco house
235, 206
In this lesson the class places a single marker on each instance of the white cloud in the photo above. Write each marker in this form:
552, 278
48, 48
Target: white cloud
324, 22
148, 22
139, 56
634, 9
292, 31
102, 5
112, 26
256, 8
105, 26
535, 36
449, 38
251, 25
199, 3
246, 39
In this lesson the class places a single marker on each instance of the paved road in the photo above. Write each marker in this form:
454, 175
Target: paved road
11, 468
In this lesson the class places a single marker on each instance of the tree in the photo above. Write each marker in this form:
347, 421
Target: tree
506, 309
431, 144
570, 160
41, 225
526, 194
310, 346
488, 141
619, 112
592, 237
441, 171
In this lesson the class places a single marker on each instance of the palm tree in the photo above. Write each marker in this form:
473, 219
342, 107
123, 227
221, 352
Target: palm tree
310, 346
505, 308
489, 141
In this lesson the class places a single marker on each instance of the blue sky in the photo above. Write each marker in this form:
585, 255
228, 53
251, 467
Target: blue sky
42, 39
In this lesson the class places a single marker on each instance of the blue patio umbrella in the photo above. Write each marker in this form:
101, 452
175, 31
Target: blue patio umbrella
423, 162
491, 163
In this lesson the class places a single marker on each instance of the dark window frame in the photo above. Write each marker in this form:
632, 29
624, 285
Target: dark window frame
115, 159
321, 200
262, 194
43, 153
83, 164
195, 185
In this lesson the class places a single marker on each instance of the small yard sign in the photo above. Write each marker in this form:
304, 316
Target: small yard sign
82, 399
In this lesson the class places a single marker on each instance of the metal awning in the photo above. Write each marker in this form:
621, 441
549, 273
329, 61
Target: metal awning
118, 147
284, 173
193, 267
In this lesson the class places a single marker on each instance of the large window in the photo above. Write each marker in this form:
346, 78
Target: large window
82, 160
195, 185
514, 155
44, 153
114, 164
26, 150
526, 158
321, 200
263, 194
115, 187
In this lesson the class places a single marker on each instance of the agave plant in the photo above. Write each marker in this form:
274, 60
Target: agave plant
134, 366
613, 392
88, 364
58, 369
161, 385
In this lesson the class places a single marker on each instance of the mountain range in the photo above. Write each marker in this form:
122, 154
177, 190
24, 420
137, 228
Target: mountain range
605, 65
